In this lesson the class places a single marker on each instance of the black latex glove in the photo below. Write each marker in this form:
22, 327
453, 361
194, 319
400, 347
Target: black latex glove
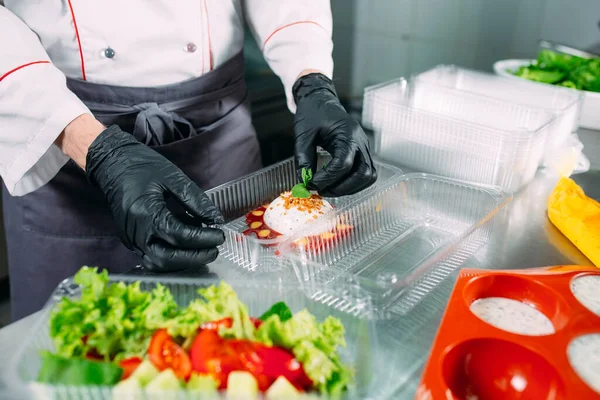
322, 121
137, 181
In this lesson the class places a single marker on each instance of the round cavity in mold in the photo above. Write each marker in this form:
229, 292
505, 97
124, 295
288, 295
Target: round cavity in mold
495, 369
512, 316
584, 356
586, 289
516, 304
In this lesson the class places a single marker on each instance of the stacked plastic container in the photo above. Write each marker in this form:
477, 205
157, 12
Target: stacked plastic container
470, 125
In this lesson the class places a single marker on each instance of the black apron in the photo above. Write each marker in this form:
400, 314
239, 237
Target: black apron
203, 126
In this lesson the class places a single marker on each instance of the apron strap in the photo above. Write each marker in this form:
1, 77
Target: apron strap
157, 111
156, 126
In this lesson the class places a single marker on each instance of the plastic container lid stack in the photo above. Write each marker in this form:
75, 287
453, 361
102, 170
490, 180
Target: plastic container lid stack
388, 242
456, 134
563, 103
239, 197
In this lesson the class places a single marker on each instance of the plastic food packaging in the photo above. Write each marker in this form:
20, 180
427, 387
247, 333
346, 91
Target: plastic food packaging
237, 198
563, 103
520, 334
373, 377
569, 158
577, 217
456, 134
387, 242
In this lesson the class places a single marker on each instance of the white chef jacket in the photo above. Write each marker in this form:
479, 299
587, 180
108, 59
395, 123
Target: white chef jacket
131, 43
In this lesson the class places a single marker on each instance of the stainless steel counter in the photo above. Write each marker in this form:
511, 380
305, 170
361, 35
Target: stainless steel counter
522, 238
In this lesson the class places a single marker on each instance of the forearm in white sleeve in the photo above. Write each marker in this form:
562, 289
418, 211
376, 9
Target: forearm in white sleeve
295, 35
35, 107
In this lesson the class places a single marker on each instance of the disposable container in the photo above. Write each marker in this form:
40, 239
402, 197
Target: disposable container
362, 353
456, 134
563, 103
398, 236
235, 199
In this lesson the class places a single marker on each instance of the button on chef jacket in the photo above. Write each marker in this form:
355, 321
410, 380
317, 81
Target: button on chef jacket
138, 43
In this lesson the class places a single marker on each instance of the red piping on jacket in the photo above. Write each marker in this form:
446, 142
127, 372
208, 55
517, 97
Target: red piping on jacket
208, 28
22, 66
287, 26
78, 40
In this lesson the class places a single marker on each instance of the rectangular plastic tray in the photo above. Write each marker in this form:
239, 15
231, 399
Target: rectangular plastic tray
456, 134
398, 235
563, 103
362, 353
235, 199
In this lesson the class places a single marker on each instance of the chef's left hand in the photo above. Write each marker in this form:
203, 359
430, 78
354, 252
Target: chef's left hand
321, 120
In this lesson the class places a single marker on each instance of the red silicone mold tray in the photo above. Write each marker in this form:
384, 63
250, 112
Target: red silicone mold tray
519, 334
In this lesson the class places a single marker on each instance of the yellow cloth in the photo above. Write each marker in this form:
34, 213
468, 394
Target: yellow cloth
577, 217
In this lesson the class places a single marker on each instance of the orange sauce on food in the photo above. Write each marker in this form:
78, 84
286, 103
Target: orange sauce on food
255, 220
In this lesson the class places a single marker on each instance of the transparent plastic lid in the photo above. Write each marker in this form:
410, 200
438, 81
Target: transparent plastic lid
387, 242
373, 377
238, 198
563, 103
552, 98
456, 134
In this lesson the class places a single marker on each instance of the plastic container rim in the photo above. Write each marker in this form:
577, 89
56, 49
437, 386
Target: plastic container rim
524, 134
576, 94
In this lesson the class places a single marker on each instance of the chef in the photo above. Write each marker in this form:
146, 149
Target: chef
116, 115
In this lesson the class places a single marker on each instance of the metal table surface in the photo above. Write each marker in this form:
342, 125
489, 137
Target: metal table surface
522, 238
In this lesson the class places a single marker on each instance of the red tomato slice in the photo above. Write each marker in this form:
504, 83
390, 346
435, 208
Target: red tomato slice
210, 355
129, 366
280, 362
164, 353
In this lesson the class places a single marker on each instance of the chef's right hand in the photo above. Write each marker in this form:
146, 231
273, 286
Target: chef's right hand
136, 182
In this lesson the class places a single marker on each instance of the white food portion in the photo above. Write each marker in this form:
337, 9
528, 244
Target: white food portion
512, 316
586, 290
285, 221
584, 356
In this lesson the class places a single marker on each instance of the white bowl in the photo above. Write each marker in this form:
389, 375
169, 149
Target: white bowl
590, 109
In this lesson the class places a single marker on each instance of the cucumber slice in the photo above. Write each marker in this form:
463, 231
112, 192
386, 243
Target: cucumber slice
165, 381
202, 383
282, 389
145, 373
241, 385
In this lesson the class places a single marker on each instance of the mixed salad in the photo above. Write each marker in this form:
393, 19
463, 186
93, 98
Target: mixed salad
563, 70
119, 335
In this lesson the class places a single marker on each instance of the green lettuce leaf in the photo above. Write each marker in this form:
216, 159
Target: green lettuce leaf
313, 344
280, 309
58, 370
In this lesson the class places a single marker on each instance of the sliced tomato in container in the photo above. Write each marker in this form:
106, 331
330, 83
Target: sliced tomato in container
129, 365
210, 355
164, 353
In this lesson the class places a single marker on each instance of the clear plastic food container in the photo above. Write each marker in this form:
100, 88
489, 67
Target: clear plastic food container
239, 197
388, 242
456, 134
373, 377
563, 103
